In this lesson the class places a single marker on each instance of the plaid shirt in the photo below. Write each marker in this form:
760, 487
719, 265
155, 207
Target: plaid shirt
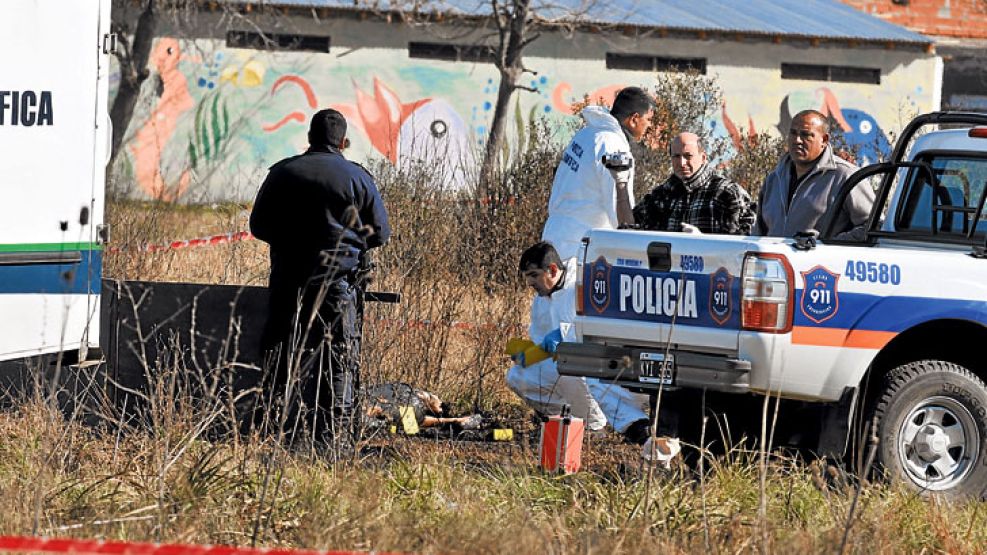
709, 201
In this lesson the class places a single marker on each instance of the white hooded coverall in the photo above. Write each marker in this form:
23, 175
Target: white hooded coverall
539, 384
584, 196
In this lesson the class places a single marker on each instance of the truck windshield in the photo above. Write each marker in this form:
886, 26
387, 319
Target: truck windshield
953, 205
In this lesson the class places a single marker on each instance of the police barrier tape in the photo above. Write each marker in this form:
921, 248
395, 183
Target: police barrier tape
22, 544
231, 237
454, 324
235, 236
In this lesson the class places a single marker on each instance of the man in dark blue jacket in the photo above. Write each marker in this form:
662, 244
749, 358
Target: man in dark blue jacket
320, 213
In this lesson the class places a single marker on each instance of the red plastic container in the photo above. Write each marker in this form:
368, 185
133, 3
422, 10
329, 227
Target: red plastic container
560, 446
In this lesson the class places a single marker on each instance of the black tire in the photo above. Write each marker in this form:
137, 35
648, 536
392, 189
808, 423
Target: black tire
932, 425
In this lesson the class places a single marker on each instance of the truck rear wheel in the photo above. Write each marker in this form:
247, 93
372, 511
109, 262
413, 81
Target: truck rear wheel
932, 424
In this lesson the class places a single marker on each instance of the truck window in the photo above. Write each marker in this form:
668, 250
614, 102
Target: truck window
948, 206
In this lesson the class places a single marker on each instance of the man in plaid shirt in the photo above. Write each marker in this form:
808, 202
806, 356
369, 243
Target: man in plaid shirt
695, 197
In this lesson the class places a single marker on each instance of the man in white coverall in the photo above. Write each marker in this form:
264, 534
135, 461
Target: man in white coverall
586, 195
534, 377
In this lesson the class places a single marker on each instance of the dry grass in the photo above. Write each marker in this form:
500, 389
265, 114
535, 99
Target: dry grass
138, 225
453, 258
166, 481
60, 479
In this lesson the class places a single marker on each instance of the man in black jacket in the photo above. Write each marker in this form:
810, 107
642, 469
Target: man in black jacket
320, 213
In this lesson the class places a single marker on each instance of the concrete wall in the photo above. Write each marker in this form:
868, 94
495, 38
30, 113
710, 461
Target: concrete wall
213, 118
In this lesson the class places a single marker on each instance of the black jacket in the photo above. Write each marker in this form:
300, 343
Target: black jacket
303, 209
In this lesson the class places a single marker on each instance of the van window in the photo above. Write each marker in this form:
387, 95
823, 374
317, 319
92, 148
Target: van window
950, 205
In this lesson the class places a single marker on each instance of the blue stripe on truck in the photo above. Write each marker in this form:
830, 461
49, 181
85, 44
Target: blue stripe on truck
65, 279
894, 314
642, 295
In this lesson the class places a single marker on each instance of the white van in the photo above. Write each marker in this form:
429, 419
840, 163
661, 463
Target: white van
54, 145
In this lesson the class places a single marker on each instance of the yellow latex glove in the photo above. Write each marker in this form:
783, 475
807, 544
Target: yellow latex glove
525, 352
517, 345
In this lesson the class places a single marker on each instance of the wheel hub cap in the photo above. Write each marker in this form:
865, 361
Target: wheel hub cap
931, 443
938, 443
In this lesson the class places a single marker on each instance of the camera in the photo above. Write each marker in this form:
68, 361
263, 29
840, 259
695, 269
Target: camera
618, 161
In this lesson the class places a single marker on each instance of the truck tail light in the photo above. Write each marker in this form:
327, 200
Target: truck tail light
977, 132
580, 263
768, 289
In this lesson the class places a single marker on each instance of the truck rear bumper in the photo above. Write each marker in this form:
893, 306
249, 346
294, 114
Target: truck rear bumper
624, 366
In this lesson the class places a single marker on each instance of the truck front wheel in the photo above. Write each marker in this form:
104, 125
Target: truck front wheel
932, 425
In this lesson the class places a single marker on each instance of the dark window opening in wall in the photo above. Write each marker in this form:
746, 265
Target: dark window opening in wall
452, 52
277, 41
632, 62
842, 74
964, 80
643, 62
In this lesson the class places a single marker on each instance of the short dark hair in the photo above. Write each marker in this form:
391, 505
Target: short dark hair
823, 119
630, 101
540, 255
328, 128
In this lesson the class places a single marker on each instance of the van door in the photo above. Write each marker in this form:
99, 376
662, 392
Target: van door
52, 109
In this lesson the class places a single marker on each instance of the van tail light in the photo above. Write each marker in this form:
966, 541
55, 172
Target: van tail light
767, 291
580, 264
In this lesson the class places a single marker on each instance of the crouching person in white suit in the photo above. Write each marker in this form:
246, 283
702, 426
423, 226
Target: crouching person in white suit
534, 376
588, 192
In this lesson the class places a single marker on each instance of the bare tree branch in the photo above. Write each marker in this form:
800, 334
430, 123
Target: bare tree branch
529, 40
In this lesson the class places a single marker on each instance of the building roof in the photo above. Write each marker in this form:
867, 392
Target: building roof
822, 19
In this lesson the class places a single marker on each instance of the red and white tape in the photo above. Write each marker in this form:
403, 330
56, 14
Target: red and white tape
454, 324
235, 236
231, 237
21, 544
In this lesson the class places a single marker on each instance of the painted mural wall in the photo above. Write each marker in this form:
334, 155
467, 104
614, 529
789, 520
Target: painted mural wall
212, 118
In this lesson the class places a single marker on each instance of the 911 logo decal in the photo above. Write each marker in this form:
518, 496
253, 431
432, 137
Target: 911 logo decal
599, 285
820, 297
720, 303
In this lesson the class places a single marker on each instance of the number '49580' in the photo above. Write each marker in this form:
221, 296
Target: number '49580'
873, 272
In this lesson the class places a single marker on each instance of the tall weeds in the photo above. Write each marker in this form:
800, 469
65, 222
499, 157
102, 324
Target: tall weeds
163, 483
162, 465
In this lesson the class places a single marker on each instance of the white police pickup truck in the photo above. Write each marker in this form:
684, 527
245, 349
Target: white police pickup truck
890, 330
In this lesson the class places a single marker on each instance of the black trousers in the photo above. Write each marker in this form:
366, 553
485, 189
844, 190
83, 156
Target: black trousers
312, 343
